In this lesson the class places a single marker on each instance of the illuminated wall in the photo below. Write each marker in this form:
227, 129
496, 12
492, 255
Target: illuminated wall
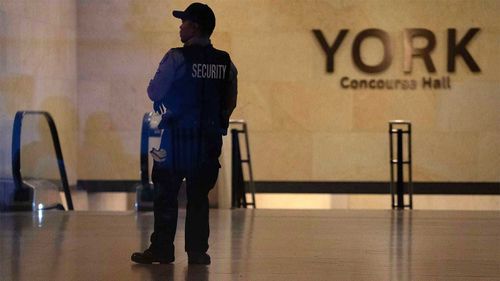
89, 62
38, 72
304, 125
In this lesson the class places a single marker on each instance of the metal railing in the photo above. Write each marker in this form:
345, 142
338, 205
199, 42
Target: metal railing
399, 128
145, 191
16, 152
247, 160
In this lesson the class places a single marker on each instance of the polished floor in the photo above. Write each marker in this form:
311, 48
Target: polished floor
258, 245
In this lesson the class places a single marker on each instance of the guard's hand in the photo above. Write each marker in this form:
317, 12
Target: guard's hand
159, 155
166, 119
159, 107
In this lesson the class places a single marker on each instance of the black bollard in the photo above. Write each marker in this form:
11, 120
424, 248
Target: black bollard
238, 185
400, 184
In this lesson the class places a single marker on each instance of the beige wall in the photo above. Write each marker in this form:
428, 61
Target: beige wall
115, 62
322, 132
303, 125
38, 72
375, 201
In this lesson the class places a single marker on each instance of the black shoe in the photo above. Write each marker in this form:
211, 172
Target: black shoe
198, 258
147, 257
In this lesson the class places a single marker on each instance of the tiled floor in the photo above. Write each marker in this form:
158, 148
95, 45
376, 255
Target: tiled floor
258, 245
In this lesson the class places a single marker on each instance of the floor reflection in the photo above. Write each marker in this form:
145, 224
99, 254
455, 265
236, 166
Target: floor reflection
401, 245
257, 245
154, 271
168, 272
20, 245
196, 273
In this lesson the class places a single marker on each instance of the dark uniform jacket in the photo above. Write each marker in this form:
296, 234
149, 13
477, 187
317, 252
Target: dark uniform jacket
196, 83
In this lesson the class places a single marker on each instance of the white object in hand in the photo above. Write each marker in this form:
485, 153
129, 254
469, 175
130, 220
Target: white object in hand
154, 120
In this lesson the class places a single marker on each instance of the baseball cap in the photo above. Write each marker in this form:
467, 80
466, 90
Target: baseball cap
198, 13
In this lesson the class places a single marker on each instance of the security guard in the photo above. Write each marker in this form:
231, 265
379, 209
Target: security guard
195, 89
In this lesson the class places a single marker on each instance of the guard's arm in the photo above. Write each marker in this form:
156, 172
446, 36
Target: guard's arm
229, 99
232, 94
163, 79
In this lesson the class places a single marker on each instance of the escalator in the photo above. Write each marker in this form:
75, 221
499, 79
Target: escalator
38, 170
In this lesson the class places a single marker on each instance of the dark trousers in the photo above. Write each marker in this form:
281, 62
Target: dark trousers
167, 182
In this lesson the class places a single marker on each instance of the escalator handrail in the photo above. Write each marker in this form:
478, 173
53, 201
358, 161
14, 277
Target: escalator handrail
146, 132
16, 152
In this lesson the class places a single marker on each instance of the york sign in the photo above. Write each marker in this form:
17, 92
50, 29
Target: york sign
456, 48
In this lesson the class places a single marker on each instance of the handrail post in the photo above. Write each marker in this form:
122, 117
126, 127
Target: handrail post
247, 160
400, 128
144, 191
399, 168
